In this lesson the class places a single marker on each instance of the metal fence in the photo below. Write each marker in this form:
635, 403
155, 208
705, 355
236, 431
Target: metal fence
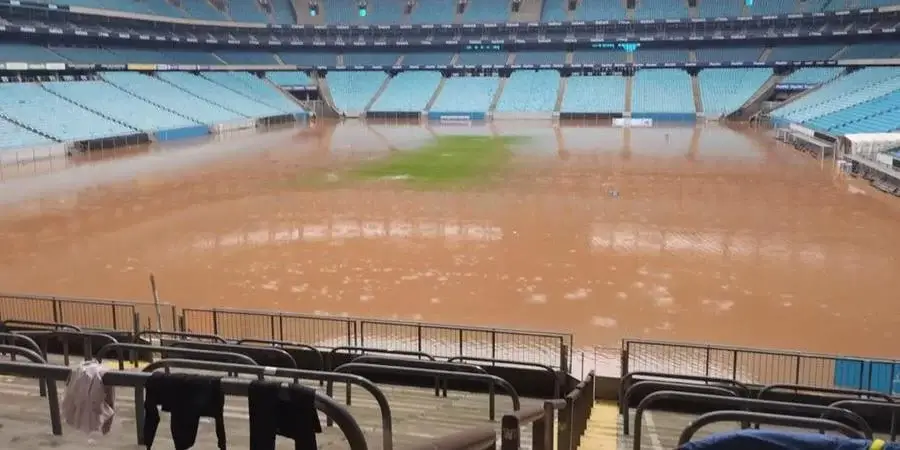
239, 324
747, 365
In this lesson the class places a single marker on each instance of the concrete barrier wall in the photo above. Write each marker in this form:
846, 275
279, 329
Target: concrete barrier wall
181, 133
446, 116
231, 126
543, 115
667, 117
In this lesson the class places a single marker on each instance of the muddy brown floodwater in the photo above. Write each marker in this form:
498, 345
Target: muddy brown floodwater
716, 235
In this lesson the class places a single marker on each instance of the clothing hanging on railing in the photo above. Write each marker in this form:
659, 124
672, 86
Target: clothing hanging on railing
89, 405
287, 410
186, 398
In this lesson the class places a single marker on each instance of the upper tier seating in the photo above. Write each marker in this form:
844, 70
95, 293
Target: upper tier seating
720, 8
723, 91
427, 58
771, 7
219, 95
39, 109
352, 91
387, 12
191, 57
245, 57
88, 55
14, 136
309, 59
114, 103
171, 98
660, 55
590, 94
482, 58
871, 50
289, 78
815, 52
529, 91
844, 92
433, 11
813, 75
554, 11
599, 56
283, 11
601, 10
540, 57
713, 54
408, 91
255, 88
371, 59
662, 91
479, 11
27, 53
660, 9
466, 94
203, 10
246, 11
344, 12
873, 116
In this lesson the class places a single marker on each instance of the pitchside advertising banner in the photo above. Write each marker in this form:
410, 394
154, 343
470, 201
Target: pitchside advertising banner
869, 375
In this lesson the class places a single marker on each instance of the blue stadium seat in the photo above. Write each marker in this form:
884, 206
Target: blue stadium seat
247, 11
191, 57
408, 92
427, 58
661, 9
720, 8
814, 52
433, 11
141, 56
217, 94
386, 12
723, 91
89, 55
871, 50
352, 91
169, 97
28, 53
594, 94
554, 11
662, 91
255, 88
601, 10
309, 59
599, 57
202, 9
660, 55
482, 58
289, 78
345, 12
725, 54
466, 94
247, 57
164, 8
114, 103
41, 110
771, 7
283, 11
480, 11
540, 57
13, 136
529, 91
813, 75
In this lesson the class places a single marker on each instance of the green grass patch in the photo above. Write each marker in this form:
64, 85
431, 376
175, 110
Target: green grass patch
448, 160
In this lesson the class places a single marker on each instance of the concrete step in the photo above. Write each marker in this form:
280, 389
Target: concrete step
602, 429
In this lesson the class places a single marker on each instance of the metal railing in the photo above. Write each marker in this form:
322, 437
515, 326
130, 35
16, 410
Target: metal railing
766, 419
573, 417
104, 314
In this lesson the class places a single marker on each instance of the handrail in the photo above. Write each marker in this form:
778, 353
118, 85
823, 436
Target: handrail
185, 334
363, 350
782, 407
768, 419
118, 347
574, 416
230, 386
289, 346
30, 343
235, 348
557, 384
36, 323
481, 438
894, 407
296, 374
64, 335
670, 386
847, 392
628, 377
426, 364
541, 418
492, 380
35, 357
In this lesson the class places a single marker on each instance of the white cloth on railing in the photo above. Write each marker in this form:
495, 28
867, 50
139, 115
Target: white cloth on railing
88, 405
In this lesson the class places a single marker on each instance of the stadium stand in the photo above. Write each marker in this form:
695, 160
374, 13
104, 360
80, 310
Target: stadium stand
117, 105
660, 9
309, 59
601, 10
770, 7
217, 94
386, 12
408, 92
479, 11
203, 10
370, 59
352, 91
191, 57
246, 11
255, 88
723, 91
169, 97
554, 11
540, 57
719, 54
288, 78
840, 94
427, 58
433, 11
878, 115
815, 52
344, 12
482, 58
466, 94
720, 8
812, 75
594, 94
28, 53
29, 103
660, 55
529, 91
88, 55
871, 50
598, 57
662, 91
283, 11
245, 57
13, 136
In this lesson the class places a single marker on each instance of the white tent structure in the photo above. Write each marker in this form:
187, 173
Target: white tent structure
868, 145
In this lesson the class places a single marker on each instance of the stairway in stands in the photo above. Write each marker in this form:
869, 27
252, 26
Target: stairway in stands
602, 428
